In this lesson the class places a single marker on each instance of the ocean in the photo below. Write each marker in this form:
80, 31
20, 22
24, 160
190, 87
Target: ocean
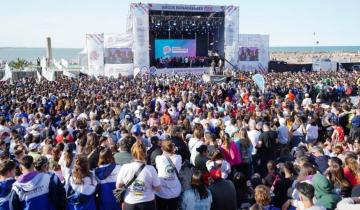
31, 54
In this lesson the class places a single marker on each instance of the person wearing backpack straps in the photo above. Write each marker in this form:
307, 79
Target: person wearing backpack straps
140, 192
168, 165
81, 186
106, 174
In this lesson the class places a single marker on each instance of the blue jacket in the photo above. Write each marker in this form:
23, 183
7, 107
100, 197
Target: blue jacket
106, 176
34, 191
81, 197
5, 189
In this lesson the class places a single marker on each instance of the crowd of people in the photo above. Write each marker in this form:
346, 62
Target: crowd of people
175, 142
182, 62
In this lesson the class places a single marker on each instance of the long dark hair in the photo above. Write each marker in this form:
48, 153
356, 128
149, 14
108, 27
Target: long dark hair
198, 185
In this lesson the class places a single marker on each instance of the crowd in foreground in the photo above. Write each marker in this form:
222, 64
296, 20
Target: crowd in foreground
175, 142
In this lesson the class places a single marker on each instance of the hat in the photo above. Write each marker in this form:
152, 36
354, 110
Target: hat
33, 146
202, 148
127, 116
196, 120
215, 174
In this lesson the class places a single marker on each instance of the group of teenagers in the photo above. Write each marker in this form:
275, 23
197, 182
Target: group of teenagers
175, 142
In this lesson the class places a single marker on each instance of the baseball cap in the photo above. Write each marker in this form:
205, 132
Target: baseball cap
33, 146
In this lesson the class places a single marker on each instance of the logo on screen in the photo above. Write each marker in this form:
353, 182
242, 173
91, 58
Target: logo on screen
166, 50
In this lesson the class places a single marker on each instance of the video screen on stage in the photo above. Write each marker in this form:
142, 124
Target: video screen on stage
249, 54
118, 56
171, 48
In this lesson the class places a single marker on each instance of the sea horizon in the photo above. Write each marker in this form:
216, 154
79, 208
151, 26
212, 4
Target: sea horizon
72, 54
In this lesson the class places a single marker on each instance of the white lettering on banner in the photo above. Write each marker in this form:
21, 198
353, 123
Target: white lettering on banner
179, 50
187, 8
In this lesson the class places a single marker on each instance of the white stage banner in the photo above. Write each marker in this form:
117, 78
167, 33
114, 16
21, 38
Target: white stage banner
118, 40
118, 55
253, 52
140, 18
231, 35
8, 73
185, 8
95, 48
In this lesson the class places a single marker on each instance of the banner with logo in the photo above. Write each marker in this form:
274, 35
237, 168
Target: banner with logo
95, 49
231, 35
185, 8
118, 54
253, 54
259, 81
140, 33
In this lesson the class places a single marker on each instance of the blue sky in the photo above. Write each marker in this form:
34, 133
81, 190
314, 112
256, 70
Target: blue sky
26, 23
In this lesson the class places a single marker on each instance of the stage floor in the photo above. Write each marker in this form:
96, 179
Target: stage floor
200, 70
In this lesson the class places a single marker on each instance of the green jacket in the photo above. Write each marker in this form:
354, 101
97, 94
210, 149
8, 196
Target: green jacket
324, 192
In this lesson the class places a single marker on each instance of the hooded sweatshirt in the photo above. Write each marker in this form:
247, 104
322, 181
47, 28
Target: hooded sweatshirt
5, 189
324, 192
106, 176
33, 191
81, 196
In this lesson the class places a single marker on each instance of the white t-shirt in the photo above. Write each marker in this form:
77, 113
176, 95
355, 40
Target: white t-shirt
193, 145
141, 190
306, 102
254, 138
170, 184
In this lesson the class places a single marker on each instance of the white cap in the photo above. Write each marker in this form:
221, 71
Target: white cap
33, 146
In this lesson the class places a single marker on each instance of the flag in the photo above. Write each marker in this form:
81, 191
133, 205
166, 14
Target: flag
8, 73
259, 81
64, 63
43, 62
38, 76
69, 74
57, 64
152, 70
136, 71
48, 74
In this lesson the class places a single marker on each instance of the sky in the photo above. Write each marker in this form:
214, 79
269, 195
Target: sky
26, 23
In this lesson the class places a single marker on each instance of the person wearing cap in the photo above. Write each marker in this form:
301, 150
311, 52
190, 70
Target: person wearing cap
320, 158
201, 158
34, 190
33, 150
123, 155
306, 101
7, 175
